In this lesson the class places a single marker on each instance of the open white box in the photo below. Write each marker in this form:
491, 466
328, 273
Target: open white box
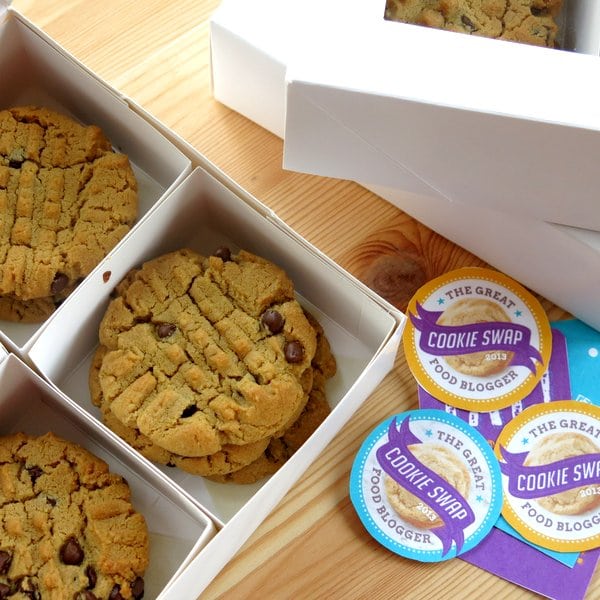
34, 70
204, 213
178, 528
341, 100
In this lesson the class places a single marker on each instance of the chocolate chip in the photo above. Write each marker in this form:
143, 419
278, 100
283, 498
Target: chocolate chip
59, 283
223, 252
85, 595
137, 588
115, 593
164, 330
106, 276
273, 320
5, 560
90, 573
4, 591
188, 411
71, 552
51, 501
294, 351
468, 23
16, 158
28, 587
35, 473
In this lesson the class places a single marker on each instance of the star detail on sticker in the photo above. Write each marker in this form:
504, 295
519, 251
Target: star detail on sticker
441, 301
518, 313
525, 441
479, 498
428, 432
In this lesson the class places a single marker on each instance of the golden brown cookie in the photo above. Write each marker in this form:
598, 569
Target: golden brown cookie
67, 526
476, 310
203, 352
526, 21
230, 458
443, 462
66, 199
555, 447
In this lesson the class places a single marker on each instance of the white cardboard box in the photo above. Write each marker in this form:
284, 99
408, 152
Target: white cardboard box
35, 70
177, 527
296, 97
203, 214
192, 203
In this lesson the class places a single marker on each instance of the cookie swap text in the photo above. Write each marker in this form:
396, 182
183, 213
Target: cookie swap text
530, 482
436, 495
497, 336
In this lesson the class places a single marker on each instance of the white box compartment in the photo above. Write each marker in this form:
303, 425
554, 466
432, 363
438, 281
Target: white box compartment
35, 70
178, 528
204, 213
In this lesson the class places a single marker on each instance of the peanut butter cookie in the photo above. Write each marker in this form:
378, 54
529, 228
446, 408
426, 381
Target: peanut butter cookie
67, 526
66, 199
202, 353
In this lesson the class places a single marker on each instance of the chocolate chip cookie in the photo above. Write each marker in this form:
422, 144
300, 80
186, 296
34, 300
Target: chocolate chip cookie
527, 21
202, 353
66, 199
67, 527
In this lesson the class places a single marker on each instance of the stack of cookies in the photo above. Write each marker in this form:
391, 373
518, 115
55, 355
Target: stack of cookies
68, 529
211, 365
66, 199
526, 21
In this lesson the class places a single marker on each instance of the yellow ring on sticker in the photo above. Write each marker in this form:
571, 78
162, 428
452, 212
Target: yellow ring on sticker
476, 339
550, 461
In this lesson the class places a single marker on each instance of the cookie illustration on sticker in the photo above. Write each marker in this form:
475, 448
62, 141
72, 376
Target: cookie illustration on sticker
550, 462
477, 340
426, 485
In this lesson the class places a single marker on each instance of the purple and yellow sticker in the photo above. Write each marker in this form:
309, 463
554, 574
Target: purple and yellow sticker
426, 485
550, 461
477, 340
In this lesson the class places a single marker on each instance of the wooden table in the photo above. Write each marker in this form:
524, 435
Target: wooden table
313, 545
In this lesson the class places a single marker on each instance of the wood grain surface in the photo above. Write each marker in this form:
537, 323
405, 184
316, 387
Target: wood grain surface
313, 545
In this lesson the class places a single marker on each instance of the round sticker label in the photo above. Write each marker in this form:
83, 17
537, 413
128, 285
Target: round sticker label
476, 339
550, 461
426, 485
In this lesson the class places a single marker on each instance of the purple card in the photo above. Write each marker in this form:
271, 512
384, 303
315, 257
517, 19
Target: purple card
511, 559
502, 553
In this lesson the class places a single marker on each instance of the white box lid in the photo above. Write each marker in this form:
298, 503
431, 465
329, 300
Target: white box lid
485, 122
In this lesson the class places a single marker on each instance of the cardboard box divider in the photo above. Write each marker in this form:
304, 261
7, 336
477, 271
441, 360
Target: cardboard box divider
178, 528
186, 201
